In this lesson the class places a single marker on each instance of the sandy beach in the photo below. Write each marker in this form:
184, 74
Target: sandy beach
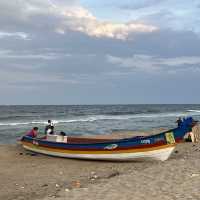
26, 176
112, 87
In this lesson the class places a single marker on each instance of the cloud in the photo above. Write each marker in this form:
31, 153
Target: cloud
140, 4
18, 35
178, 61
9, 54
175, 15
18, 78
149, 63
61, 18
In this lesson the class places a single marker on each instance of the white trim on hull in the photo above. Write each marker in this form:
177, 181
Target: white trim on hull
158, 154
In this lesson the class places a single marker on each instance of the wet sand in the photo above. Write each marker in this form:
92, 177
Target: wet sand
27, 176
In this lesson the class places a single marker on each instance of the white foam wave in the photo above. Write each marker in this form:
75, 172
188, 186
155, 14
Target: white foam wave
198, 111
20, 123
106, 117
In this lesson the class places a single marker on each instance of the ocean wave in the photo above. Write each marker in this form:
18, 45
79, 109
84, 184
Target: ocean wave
104, 118
20, 123
197, 111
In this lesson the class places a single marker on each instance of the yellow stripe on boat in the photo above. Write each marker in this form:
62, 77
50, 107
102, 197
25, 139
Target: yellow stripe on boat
134, 150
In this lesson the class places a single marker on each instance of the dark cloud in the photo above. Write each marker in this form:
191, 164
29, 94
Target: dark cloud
78, 54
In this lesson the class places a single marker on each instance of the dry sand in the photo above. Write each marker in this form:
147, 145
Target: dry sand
26, 176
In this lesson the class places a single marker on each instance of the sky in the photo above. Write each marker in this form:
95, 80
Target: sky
99, 52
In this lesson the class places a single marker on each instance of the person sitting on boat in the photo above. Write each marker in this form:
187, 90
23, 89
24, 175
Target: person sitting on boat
48, 126
33, 133
179, 121
50, 130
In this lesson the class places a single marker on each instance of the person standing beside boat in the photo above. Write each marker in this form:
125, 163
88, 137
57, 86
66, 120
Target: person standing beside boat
33, 133
179, 121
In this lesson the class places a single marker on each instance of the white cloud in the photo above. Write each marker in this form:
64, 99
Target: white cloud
184, 60
112, 30
19, 35
80, 19
64, 17
154, 63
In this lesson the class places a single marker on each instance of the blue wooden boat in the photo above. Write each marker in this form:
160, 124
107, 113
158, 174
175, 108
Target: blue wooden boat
153, 147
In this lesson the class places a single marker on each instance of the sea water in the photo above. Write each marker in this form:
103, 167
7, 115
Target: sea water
90, 119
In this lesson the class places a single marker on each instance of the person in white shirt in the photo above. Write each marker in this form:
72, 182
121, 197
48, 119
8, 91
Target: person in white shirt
48, 127
50, 130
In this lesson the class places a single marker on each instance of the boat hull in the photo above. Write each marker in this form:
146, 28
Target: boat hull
160, 153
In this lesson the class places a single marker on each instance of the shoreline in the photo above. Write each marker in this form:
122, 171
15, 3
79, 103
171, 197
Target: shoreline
29, 176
